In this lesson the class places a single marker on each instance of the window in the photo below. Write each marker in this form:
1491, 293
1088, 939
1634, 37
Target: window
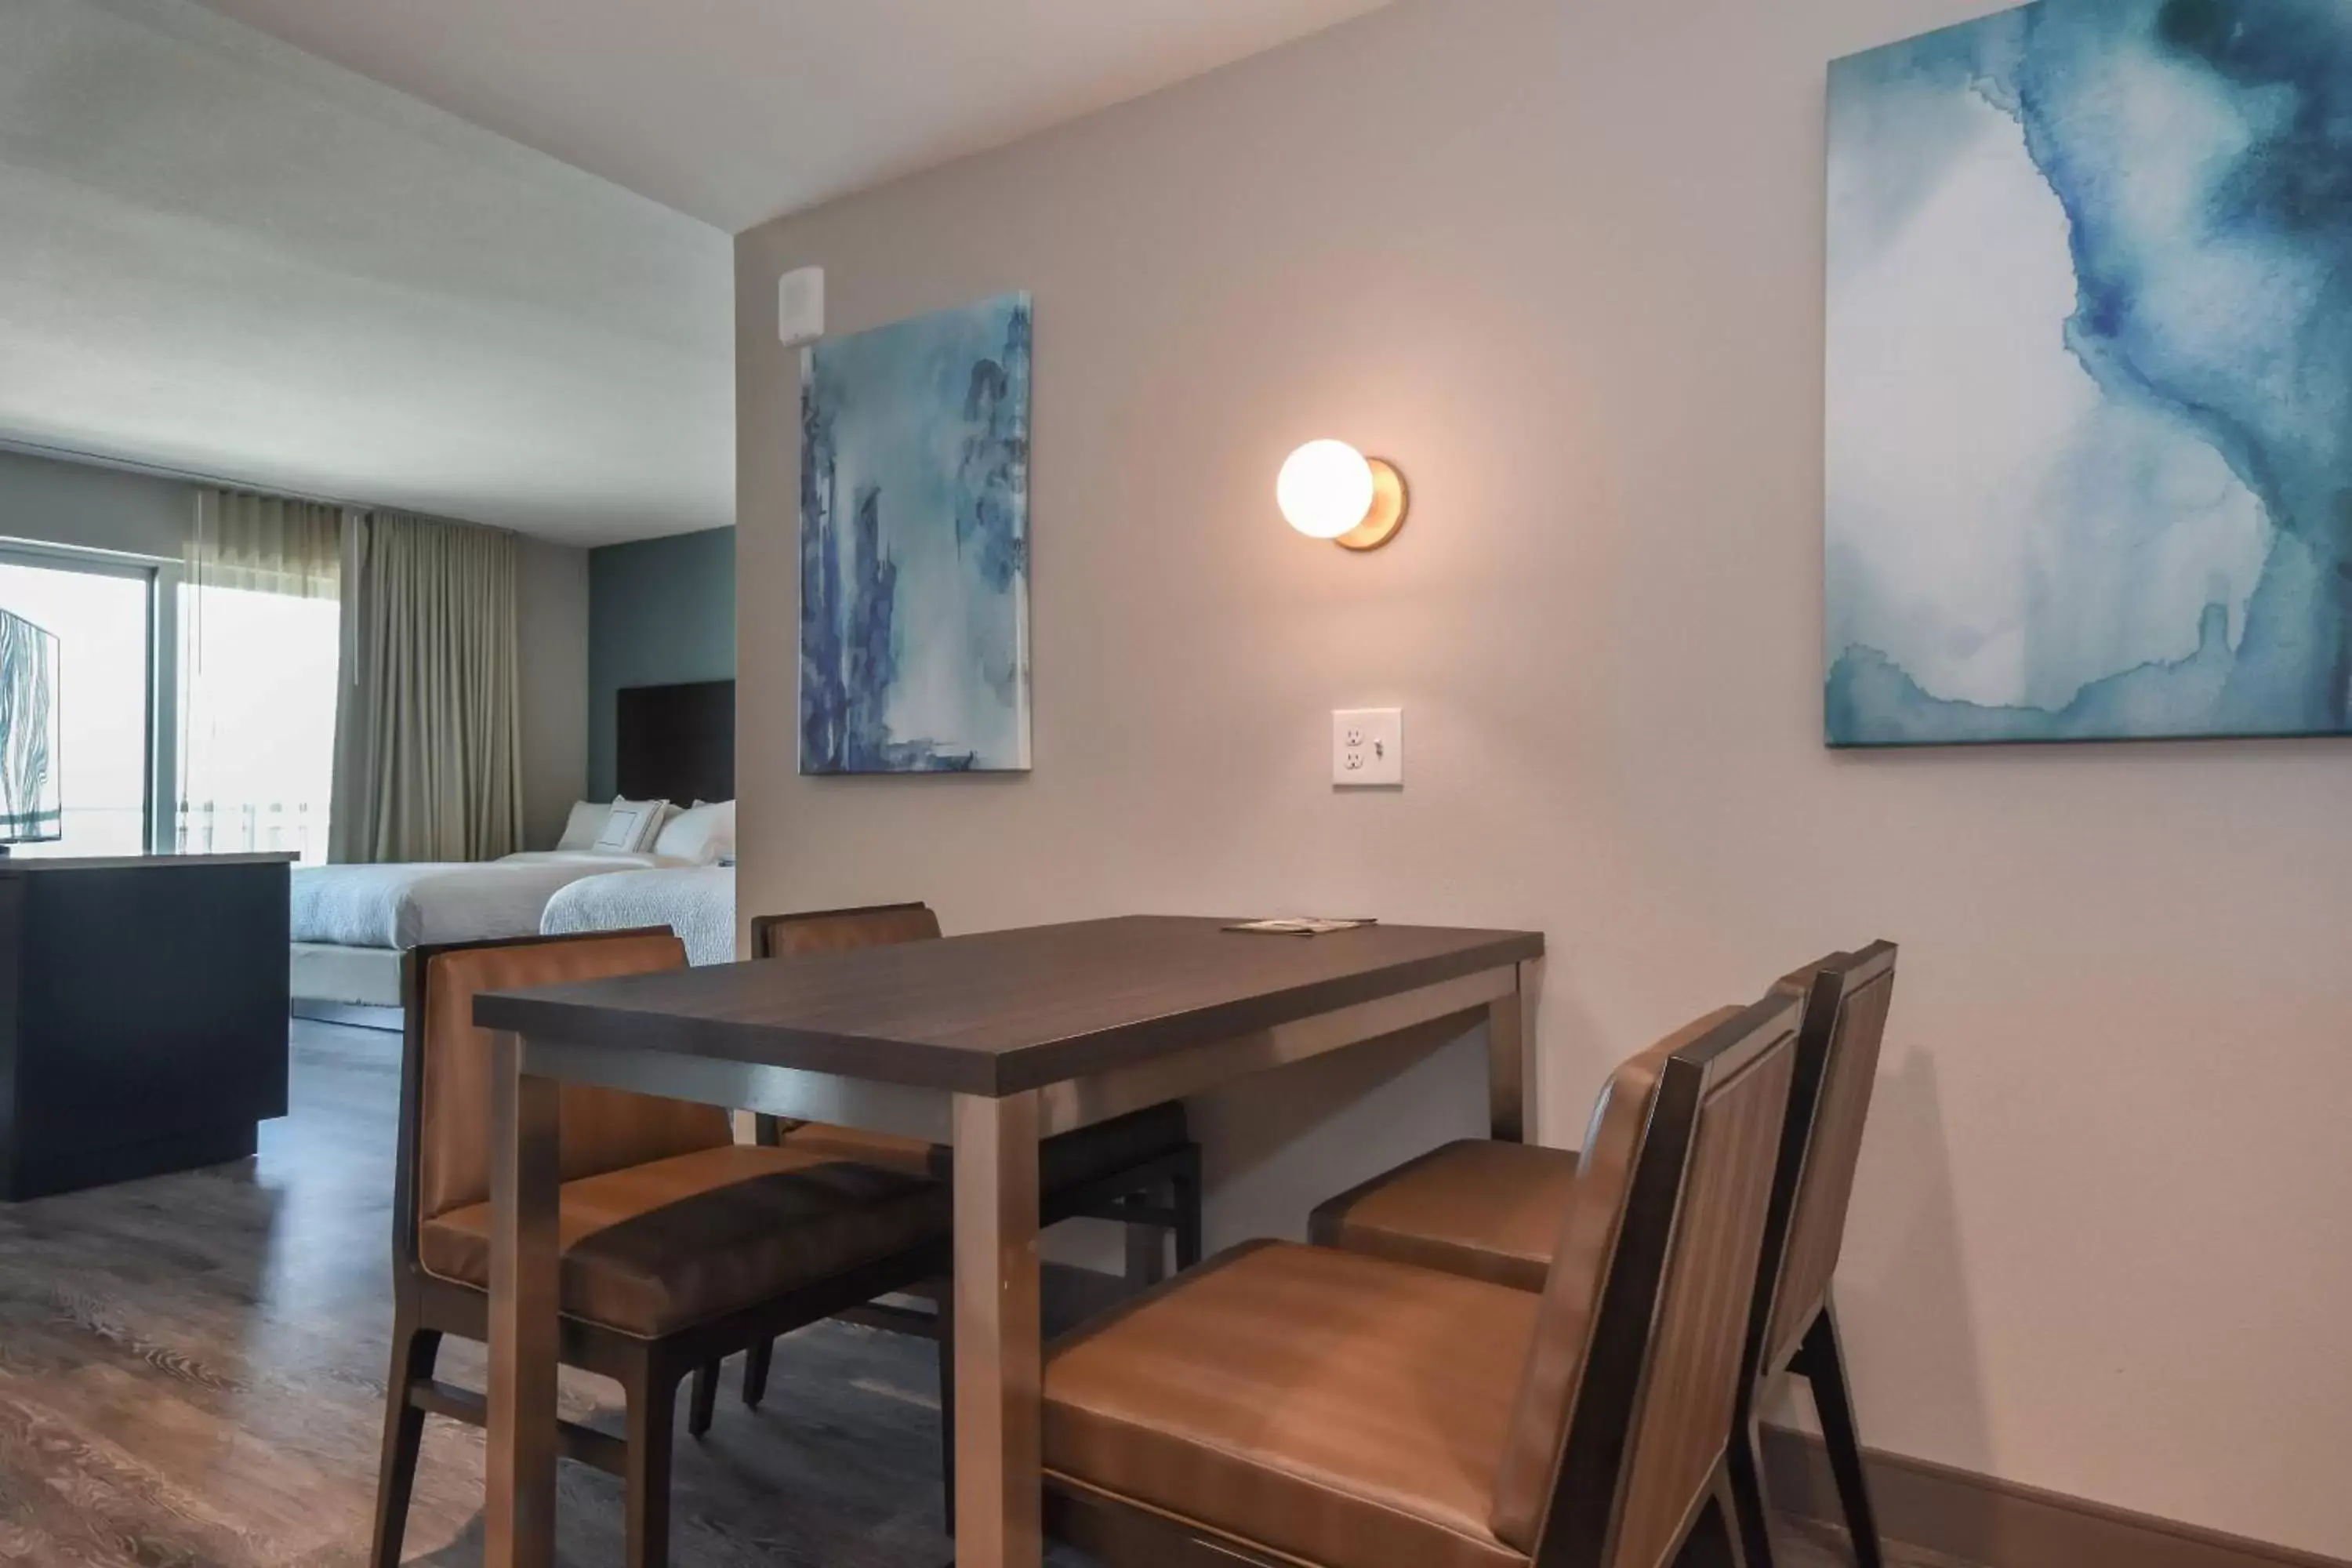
219, 703
100, 610
256, 721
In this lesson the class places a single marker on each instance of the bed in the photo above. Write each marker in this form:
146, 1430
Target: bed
698, 902
673, 745
351, 924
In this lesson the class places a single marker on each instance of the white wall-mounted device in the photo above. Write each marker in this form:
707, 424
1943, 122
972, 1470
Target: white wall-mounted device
1368, 748
800, 307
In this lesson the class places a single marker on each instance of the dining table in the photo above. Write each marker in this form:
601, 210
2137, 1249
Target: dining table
988, 1044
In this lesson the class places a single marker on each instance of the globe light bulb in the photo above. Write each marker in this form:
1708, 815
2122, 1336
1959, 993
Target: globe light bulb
1326, 488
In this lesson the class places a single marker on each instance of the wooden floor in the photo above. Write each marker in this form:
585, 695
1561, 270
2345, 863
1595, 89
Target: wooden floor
191, 1376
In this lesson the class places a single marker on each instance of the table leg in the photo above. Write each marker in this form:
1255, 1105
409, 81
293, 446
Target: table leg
519, 1481
999, 1352
1511, 1060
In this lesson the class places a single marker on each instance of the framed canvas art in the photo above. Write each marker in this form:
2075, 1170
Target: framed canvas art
2090, 377
915, 545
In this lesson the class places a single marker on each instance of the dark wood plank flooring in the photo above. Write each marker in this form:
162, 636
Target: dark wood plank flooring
191, 1376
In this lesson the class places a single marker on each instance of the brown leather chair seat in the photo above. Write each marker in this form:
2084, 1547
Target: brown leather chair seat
656, 1247
1070, 1160
1337, 1407
1487, 1210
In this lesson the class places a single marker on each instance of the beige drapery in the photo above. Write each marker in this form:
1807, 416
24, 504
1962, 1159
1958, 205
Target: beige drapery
241, 785
265, 544
428, 731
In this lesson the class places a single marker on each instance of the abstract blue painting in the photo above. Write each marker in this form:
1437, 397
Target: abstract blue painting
915, 545
2090, 377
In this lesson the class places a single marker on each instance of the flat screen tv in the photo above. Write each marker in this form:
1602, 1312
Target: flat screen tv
30, 810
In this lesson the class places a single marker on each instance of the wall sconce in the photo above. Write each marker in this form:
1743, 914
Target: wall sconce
1330, 490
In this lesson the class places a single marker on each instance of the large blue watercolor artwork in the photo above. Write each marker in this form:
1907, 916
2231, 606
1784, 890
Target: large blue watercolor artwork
915, 545
2090, 377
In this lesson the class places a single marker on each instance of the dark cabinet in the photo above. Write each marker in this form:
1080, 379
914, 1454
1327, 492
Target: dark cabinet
142, 1015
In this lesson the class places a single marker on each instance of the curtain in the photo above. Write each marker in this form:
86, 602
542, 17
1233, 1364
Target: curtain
265, 544
428, 730
257, 663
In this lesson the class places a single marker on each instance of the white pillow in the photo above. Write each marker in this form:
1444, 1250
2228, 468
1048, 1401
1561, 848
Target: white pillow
587, 821
701, 837
632, 826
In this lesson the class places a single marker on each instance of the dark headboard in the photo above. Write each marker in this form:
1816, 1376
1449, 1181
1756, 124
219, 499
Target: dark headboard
675, 743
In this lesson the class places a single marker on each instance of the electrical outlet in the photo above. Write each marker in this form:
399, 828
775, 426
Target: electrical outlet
1368, 747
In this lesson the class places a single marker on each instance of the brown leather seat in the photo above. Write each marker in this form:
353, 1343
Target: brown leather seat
1337, 1407
1479, 1208
677, 1246
654, 1248
1311, 1406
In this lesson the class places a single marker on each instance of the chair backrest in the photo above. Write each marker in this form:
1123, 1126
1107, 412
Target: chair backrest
444, 1157
1632, 1379
832, 931
1846, 1000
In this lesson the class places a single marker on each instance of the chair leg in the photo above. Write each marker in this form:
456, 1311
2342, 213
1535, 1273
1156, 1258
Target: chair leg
1146, 1254
1714, 1539
1751, 1506
755, 1372
703, 1403
653, 1408
1823, 1362
1186, 1183
414, 1352
946, 1343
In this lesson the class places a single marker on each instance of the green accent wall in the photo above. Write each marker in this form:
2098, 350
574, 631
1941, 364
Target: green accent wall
661, 612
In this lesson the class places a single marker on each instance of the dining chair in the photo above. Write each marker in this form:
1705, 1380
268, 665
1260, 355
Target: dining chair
1296, 1404
1485, 1210
1795, 1326
1117, 1170
678, 1246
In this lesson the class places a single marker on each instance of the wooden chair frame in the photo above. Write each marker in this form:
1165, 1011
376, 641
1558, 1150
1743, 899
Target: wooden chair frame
426, 1308
1583, 1527
1812, 1348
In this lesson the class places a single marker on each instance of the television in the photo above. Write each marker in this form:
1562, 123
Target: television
30, 809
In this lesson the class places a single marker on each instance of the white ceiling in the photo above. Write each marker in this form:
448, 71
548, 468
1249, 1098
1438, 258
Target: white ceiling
221, 254
735, 110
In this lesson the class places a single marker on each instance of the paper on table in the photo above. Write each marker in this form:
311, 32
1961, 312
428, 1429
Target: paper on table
1305, 927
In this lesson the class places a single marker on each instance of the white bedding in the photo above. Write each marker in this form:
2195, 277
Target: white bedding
419, 905
698, 902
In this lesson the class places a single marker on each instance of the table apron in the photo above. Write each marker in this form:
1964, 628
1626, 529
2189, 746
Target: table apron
1080, 1102
790, 1092
926, 1113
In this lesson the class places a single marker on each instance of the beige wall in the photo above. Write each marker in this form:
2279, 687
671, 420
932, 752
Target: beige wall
99, 508
551, 625
1563, 263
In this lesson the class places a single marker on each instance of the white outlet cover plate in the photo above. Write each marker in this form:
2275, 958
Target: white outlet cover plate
1368, 748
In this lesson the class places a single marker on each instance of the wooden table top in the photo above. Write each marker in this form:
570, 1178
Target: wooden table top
1006, 1011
